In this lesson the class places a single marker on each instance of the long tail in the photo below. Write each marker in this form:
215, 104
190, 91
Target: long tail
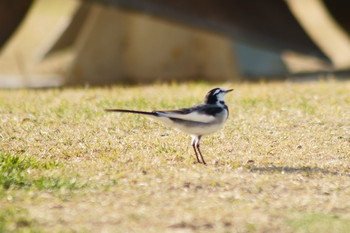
132, 111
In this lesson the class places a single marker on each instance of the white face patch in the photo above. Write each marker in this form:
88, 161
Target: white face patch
217, 91
221, 96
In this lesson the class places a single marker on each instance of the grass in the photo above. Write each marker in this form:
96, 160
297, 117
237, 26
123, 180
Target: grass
18, 172
17, 220
281, 163
319, 222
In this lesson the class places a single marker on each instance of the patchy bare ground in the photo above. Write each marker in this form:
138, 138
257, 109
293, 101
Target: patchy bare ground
281, 163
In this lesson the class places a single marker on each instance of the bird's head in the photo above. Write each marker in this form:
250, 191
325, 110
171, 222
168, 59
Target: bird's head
216, 95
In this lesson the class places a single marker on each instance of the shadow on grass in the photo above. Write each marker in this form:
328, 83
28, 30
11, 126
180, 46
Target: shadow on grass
301, 170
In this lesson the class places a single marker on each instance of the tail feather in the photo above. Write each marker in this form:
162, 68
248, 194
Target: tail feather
132, 111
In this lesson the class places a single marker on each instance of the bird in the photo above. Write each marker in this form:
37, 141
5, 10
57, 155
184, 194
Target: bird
197, 121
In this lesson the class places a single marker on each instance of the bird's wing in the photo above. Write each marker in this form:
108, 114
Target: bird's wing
199, 113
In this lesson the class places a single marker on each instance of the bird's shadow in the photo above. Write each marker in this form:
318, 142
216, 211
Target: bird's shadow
295, 170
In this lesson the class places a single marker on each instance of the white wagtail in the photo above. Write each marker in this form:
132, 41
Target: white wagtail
197, 121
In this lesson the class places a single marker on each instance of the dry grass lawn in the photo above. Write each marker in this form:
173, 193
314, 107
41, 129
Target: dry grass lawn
281, 163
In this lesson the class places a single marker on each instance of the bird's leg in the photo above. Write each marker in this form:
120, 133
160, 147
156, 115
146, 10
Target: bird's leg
199, 151
194, 147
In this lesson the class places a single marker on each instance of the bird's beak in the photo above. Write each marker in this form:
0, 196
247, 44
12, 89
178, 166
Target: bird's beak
229, 90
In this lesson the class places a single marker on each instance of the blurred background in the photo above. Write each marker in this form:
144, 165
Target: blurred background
46, 43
